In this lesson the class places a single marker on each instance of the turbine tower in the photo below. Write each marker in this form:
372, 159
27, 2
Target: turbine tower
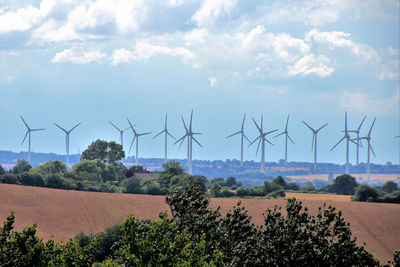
368, 138
67, 138
358, 138
135, 136
348, 139
241, 132
262, 138
166, 132
189, 134
314, 142
285, 132
121, 133
28, 132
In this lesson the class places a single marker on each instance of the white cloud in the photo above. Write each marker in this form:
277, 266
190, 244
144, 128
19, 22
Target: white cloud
213, 81
211, 10
365, 103
289, 48
79, 57
341, 39
393, 51
310, 64
195, 36
388, 75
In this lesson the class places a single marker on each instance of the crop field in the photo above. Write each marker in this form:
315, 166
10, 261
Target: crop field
322, 197
374, 177
63, 214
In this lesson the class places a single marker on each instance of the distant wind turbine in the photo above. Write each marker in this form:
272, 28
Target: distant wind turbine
28, 132
136, 136
348, 139
121, 133
262, 138
314, 142
189, 134
368, 138
166, 132
285, 132
241, 132
358, 138
67, 132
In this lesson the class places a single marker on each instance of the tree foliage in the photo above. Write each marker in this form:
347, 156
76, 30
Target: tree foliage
344, 184
21, 167
110, 152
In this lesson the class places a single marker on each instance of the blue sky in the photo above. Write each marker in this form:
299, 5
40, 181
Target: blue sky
71, 61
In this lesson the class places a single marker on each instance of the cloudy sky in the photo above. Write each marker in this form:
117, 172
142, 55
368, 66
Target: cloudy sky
70, 61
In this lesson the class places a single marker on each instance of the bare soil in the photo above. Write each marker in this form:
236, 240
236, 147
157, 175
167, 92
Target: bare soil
63, 214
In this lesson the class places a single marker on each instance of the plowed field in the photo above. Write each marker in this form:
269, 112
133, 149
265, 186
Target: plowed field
323, 197
64, 213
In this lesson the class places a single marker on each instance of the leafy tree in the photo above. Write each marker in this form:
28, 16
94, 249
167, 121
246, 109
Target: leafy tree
230, 181
293, 186
109, 152
344, 184
390, 187
50, 167
9, 178
201, 180
2, 171
30, 179
366, 193
171, 169
216, 190
132, 186
280, 182
21, 167
92, 170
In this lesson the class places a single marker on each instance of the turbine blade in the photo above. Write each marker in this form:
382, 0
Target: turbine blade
128, 128
351, 140
270, 132
131, 126
182, 142
183, 137
166, 118
290, 139
308, 126
23, 140
184, 124
191, 117
62, 129
345, 121
268, 141
158, 134
287, 122
197, 142
74, 127
372, 150
244, 117
254, 140
321, 127
246, 138
258, 146
25, 122
278, 134
133, 140
312, 143
115, 126
143, 134
259, 129
359, 127
233, 134
32, 130
369, 133
338, 143
171, 135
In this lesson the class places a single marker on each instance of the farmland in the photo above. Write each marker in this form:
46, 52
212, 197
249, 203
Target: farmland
321, 197
65, 213
382, 177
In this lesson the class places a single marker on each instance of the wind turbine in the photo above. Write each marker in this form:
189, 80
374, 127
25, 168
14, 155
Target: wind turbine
189, 134
358, 138
262, 138
314, 142
166, 132
285, 132
135, 136
67, 132
121, 133
28, 132
347, 137
241, 132
368, 138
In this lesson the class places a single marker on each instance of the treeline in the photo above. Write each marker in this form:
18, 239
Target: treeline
196, 235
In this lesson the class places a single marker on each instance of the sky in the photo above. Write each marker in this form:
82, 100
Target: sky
71, 61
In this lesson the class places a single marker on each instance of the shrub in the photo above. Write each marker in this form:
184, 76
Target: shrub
9, 178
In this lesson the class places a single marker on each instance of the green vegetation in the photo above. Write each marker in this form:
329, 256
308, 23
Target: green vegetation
388, 193
196, 235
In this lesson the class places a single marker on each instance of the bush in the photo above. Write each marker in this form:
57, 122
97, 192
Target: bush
30, 179
2, 171
276, 194
132, 185
366, 193
344, 184
21, 167
242, 191
9, 178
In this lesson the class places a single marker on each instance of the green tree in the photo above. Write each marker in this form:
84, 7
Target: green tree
109, 152
280, 182
171, 169
21, 167
132, 185
2, 171
389, 187
230, 181
344, 184
216, 190
50, 167
366, 193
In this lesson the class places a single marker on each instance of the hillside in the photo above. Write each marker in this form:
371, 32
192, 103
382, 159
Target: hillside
64, 213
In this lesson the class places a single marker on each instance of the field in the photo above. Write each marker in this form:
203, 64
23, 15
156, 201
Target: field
322, 197
65, 213
374, 177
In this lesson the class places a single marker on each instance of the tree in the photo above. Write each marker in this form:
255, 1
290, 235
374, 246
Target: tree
390, 187
2, 171
109, 152
230, 181
344, 184
132, 185
171, 169
21, 167
366, 193
280, 182
50, 167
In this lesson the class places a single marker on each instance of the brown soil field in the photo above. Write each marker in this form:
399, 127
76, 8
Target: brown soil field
63, 213
373, 177
322, 197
